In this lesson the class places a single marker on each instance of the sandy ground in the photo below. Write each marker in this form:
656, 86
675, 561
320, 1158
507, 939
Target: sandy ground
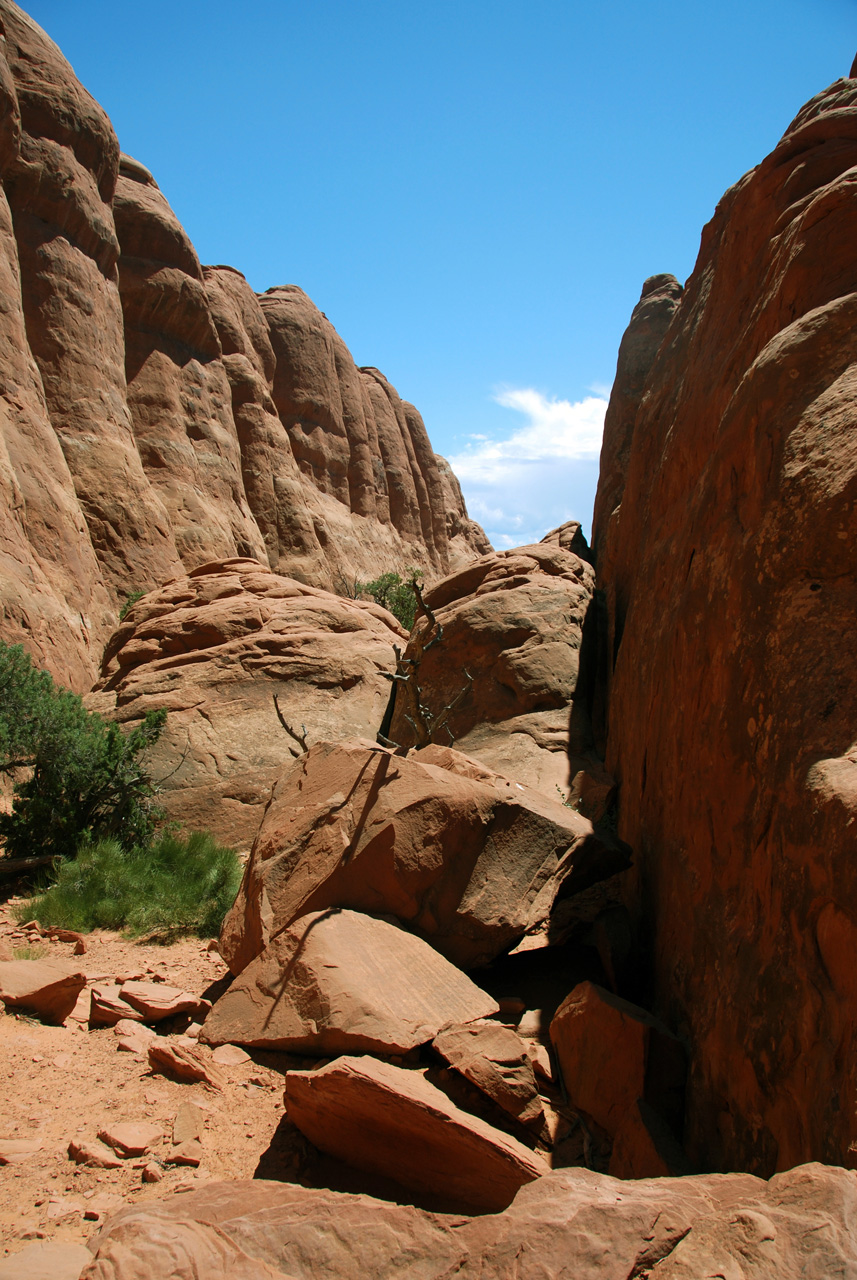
67, 1082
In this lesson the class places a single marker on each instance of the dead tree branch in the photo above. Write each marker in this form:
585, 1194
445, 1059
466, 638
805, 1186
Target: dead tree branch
299, 738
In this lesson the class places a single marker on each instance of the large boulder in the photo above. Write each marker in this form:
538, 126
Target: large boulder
729, 574
42, 987
214, 649
570, 1222
384, 1120
462, 856
515, 622
341, 982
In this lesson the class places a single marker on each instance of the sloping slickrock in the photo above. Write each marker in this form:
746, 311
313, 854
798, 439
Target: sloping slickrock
386, 1120
569, 1223
461, 856
213, 649
341, 982
138, 431
730, 584
514, 620
612, 1052
495, 1059
42, 986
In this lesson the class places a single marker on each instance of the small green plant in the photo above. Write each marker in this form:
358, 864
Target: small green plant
130, 600
395, 593
75, 776
175, 886
30, 952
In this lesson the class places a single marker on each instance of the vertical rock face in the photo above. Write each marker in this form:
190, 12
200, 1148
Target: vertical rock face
731, 587
156, 415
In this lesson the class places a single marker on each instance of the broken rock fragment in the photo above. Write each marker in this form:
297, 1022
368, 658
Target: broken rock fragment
131, 1139
93, 1153
495, 1059
611, 1053
155, 1001
339, 981
393, 1122
183, 1063
459, 854
43, 987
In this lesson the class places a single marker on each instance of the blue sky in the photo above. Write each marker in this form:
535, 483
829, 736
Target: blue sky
473, 192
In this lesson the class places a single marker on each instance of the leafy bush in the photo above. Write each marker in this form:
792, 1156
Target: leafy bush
395, 593
130, 600
174, 886
83, 777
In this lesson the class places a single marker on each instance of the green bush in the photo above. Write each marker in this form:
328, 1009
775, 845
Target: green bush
395, 593
130, 600
175, 886
76, 777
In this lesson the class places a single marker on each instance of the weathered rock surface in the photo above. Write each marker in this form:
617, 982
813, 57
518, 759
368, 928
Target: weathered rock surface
570, 1222
214, 649
460, 855
41, 986
46, 1260
341, 982
612, 1052
731, 590
494, 1059
155, 415
385, 1120
157, 1001
128, 1138
514, 620
644, 1146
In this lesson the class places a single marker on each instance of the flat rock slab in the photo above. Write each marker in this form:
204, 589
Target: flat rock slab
107, 1007
46, 1260
156, 1001
339, 981
129, 1138
47, 989
495, 1059
393, 1122
570, 1223
93, 1153
189, 1123
16, 1150
465, 858
230, 1055
612, 1052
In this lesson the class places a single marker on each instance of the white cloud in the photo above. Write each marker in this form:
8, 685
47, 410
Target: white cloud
543, 473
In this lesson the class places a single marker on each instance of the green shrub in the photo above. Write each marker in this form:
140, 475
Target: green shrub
83, 777
175, 886
130, 600
395, 593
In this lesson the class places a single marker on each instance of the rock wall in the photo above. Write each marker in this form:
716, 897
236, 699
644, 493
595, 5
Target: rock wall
155, 415
730, 581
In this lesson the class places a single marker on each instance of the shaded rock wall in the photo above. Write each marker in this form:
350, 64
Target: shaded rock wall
730, 579
156, 415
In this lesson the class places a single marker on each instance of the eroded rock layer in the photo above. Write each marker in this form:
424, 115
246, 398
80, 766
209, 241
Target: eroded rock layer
156, 415
729, 572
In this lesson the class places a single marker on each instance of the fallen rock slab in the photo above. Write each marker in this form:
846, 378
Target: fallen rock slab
107, 1008
155, 1001
42, 987
183, 1063
572, 1223
339, 981
646, 1147
229, 1055
129, 1138
187, 1153
93, 1153
495, 1059
465, 858
188, 1123
385, 1120
611, 1053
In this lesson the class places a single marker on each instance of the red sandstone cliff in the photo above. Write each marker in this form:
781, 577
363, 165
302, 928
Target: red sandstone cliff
155, 414
730, 578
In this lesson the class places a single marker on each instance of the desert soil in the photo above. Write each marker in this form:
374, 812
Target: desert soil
68, 1082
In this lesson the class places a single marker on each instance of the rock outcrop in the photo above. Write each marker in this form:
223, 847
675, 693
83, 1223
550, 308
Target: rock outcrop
729, 573
460, 855
215, 649
515, 621
799, 1223
156, 415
